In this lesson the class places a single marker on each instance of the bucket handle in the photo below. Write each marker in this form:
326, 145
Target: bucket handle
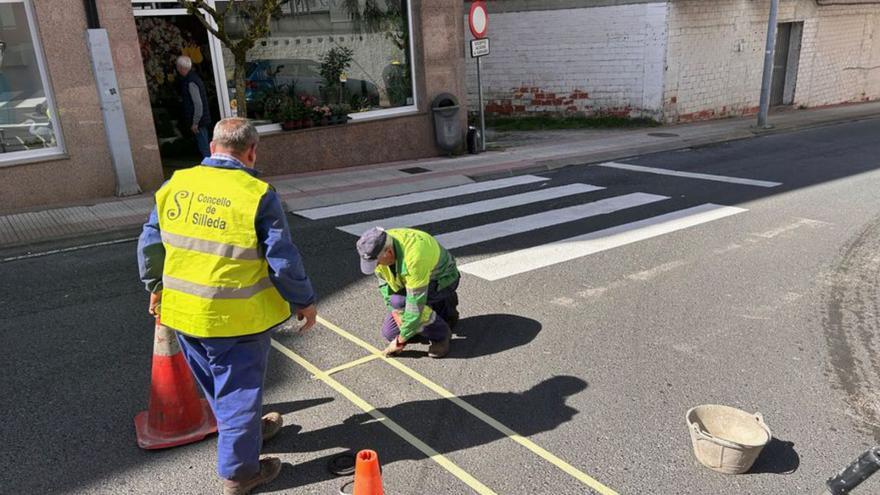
708, 436
726, 443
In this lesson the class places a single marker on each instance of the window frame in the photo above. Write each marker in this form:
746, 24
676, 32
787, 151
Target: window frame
43, 154
384, 113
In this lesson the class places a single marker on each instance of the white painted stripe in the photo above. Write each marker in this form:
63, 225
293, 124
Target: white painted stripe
690, 175
67, 250
475, 208
505, 265
519, 225
416, 197
31, 102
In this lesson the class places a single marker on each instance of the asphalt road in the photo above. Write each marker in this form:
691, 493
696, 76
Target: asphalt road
592, 362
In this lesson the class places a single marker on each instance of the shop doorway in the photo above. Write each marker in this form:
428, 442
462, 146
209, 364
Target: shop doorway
786, 59
163, 38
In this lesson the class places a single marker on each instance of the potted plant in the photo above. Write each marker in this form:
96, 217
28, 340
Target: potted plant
307, 105
334, 65
339, 113
289, 113
322, 115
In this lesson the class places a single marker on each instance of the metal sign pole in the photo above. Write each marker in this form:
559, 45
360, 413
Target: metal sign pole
767, 76
480, 97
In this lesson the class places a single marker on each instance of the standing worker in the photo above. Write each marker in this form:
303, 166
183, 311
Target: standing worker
196, 115
217, 253
418, 282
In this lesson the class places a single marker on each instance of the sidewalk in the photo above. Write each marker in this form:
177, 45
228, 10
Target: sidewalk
522, 152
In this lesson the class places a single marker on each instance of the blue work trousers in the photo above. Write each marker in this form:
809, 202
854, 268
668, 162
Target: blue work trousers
203, 141
231, 372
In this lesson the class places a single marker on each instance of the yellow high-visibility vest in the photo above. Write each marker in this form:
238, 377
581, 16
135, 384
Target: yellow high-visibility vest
215, 280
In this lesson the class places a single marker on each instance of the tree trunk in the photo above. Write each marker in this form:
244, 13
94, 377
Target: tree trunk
240, 83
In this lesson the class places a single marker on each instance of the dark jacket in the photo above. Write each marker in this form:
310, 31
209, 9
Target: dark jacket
195, 110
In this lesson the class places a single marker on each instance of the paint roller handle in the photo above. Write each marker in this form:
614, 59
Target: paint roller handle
853, 475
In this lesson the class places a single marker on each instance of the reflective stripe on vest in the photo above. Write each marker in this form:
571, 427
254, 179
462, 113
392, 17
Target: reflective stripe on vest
215, 281
210, 247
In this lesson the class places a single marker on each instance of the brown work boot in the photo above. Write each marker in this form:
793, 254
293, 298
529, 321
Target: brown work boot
440, 348
272, 424
270, 468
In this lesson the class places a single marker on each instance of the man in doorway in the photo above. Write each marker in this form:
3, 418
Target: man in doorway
217, 253
419, 280
196, 115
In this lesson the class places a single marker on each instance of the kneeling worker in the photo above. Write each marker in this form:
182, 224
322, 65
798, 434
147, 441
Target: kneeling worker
419, 279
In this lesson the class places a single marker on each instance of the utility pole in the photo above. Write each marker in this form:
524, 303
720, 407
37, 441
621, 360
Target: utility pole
767, 79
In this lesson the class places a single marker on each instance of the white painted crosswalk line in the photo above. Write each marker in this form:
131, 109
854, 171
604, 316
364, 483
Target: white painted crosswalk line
430, 216
690, 175
506, 265
417, 197
544, 219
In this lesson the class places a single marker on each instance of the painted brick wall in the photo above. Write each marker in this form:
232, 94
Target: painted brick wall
585, 60
715, 55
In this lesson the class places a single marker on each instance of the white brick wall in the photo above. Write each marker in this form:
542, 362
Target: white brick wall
603, 59
715, 55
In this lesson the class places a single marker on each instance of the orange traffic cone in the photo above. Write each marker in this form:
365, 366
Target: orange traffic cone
176, 414
367, 478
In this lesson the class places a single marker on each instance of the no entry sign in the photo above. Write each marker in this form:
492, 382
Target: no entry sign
478, 19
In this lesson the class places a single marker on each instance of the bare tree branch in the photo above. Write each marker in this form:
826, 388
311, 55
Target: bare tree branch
193, 8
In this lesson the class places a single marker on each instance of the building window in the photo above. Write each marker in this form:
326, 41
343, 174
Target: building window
28, 120
350, 55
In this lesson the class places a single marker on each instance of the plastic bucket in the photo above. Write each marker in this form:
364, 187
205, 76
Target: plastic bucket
726, 439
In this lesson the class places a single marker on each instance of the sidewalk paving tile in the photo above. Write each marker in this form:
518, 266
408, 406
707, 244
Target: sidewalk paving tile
77, 219
34, 225
8, 235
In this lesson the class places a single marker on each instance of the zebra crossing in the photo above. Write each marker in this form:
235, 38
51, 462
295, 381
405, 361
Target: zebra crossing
542, 255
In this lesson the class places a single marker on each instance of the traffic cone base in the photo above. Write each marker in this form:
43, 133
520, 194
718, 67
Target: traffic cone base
150, 439
176, 415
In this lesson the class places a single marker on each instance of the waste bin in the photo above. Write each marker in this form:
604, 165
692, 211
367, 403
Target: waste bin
447, 124
474, 140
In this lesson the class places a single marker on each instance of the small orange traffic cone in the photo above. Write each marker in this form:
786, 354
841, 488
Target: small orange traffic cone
176, 414
367, 477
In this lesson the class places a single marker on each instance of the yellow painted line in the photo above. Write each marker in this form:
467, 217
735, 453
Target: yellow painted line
356, 362
435, 456
516, 437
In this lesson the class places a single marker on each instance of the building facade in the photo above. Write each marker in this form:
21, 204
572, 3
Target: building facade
675, 61
395, 56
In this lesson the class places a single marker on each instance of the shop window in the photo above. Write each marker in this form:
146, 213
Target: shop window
28, 125
335, 56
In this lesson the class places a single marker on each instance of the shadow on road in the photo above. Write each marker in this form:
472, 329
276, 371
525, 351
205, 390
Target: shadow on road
438, 422
484, 335
778, 457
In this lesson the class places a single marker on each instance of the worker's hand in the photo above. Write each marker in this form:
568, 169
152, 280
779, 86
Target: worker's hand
195, 128
155, 301
310, 314
395, 347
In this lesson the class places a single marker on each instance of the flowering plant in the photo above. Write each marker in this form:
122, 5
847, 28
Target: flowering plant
323, 111
161, 41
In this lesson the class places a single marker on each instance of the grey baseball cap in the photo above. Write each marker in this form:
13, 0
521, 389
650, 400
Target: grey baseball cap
369, 247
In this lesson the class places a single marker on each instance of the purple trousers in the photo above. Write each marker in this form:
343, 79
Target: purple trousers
443, 302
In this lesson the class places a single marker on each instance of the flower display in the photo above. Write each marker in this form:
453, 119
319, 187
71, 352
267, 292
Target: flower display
161, 42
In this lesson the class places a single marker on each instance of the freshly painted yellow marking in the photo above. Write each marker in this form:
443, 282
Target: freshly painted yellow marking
356, 362
385, 420
516, 437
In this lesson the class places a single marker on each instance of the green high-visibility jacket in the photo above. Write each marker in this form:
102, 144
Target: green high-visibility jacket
419, 259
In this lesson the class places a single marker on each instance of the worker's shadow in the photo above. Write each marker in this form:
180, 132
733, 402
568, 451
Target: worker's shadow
484, 335
439, 423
